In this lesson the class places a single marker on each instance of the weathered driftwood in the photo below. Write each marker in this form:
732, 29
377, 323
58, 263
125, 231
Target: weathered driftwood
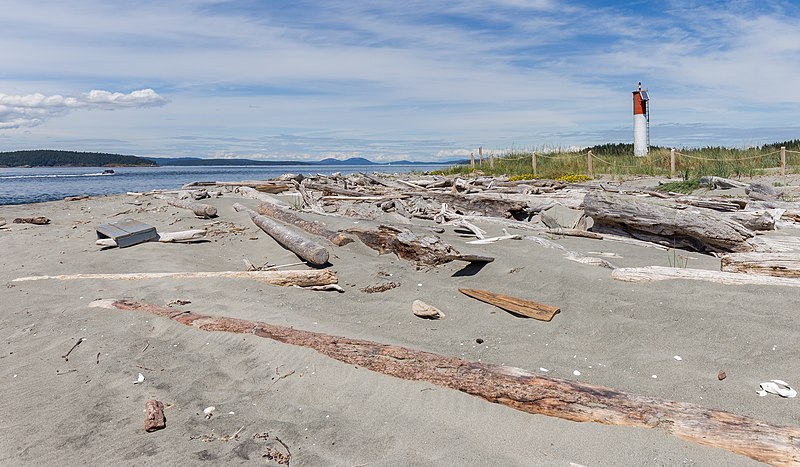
711, 181
312, 227
664, 222
252, 193
768, 264
289, 238
199, 209
660, 273
38, 220
163, 237
325, 188
2, 222
423, 249
714, 204
520, 389
514, 305
154, 416
765, 244
478, 204
301, 278
76, 198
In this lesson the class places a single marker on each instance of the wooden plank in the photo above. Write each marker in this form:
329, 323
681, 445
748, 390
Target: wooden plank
514, 305
518, 388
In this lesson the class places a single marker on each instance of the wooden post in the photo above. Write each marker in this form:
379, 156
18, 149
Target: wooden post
480, 155
533, 162
672, 163
491, 159
783, 160
589, 160
472, 160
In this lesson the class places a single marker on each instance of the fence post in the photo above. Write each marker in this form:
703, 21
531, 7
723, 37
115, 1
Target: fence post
491, 159
783, 160
672, 163
480, 155
533, 162
589, 161
472, 160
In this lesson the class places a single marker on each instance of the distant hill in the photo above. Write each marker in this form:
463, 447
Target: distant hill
196, 161
51, 158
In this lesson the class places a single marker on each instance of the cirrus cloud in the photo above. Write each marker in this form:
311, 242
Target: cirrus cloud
33, 109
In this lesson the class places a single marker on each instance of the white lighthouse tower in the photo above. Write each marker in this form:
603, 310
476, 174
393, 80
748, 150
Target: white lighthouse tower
641, 122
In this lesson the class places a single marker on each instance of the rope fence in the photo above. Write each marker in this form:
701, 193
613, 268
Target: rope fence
654, 162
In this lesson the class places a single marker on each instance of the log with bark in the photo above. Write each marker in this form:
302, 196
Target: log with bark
38, 220
422, 249
154, 416
660, 273
768, 264
287, 278
666, 223
312, 227
520, 389
199, 209
289, 238
514, 305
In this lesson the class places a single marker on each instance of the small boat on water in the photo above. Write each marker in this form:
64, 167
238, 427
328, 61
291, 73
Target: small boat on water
108, 172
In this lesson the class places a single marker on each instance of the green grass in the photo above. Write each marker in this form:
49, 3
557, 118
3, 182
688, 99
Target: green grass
618, 160
683, 186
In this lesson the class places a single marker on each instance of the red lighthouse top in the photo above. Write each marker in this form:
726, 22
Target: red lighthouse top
640, 99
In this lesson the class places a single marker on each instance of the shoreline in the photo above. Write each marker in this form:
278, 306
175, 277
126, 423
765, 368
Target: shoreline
615, 334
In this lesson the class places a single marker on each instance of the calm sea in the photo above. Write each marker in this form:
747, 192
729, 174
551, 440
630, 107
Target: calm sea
33, 185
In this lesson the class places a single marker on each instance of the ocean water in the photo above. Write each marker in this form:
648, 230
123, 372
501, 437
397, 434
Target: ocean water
38, 184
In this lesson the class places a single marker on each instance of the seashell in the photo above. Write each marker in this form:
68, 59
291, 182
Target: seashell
423, 310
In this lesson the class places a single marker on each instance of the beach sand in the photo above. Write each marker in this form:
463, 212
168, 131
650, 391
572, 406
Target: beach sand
623, 335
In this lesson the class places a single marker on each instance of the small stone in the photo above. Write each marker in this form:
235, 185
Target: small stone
479, 340
154, 416
721, 375
423, 310
576, 373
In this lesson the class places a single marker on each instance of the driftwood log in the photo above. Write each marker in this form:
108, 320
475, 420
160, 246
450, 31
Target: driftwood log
289, 238
477, 204
300, 278
163, 237
38, 220
521, 389
199, 209
768, 264
514, 305
660, 273
2, 222
283, 215
154, 416
422, 249
666, 223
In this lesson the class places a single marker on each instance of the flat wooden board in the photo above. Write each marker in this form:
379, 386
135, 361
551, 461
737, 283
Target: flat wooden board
517, 306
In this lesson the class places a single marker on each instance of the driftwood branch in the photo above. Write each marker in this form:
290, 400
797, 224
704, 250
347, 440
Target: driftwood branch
660, 273
300, 278
199, 209
288, 237
424, 249
521, 389
311, 227
514, 305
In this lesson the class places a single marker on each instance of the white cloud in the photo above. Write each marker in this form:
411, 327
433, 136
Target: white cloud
33, 109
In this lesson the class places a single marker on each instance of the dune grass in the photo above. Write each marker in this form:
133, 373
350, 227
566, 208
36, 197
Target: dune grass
618, 160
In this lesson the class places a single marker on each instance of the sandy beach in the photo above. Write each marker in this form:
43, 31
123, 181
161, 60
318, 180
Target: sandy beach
667, 340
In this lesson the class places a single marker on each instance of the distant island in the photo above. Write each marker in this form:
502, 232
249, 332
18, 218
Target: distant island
49, 158
53, 158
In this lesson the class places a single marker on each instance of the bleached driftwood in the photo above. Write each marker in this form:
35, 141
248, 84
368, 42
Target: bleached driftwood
199, 209
660, 273
481, 205
711, 181
663, 222
520, 389
301, 278
757, 220
312, 227
163, 237
768, 264
288, 237
252, 193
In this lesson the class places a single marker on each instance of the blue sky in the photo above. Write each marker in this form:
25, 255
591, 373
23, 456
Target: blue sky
391, 80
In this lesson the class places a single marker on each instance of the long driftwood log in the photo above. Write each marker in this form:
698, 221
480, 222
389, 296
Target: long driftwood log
769, 264
182, 236
312, 227
289, 238
660, 273
520, 389
300, 278
199, 209
667, 223
481, 205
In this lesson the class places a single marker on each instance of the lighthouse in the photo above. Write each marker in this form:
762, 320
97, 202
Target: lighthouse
641, 122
